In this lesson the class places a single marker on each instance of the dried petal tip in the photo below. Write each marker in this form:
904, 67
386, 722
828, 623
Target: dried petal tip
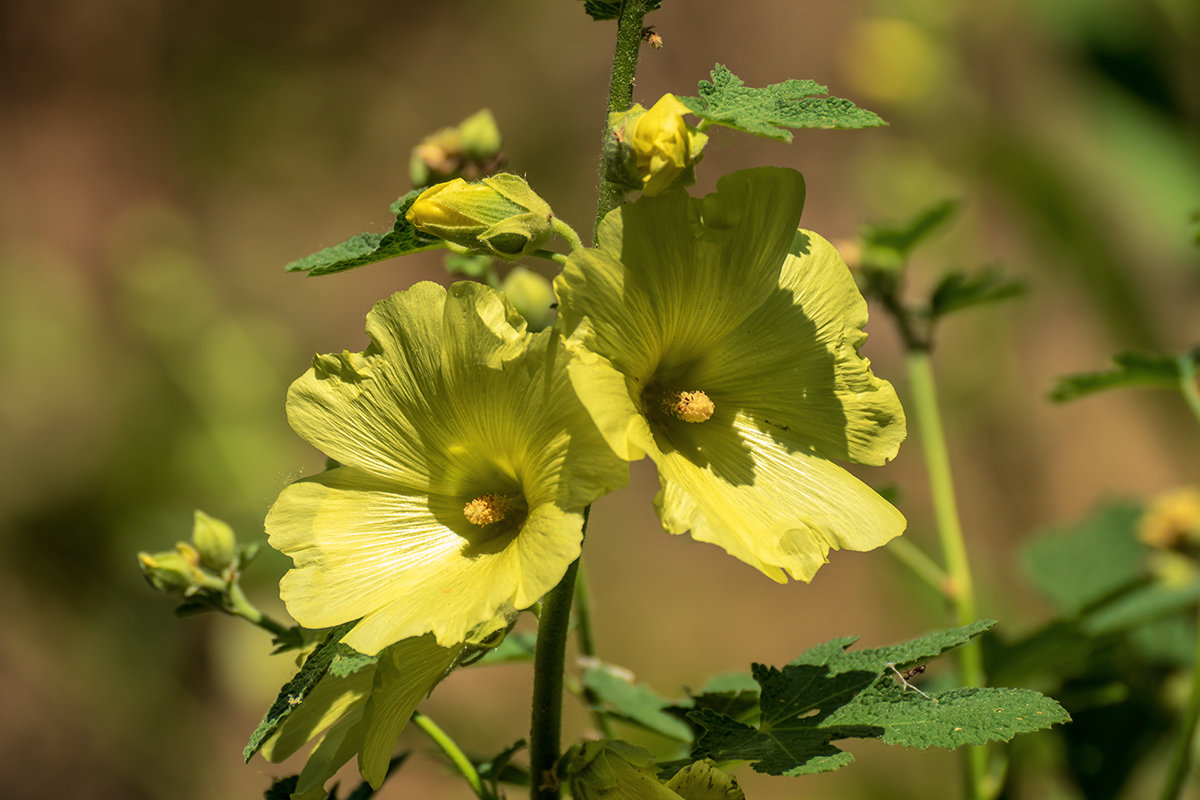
689, 406
487, 509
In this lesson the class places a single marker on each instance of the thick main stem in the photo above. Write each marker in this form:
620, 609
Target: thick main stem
620, 92
549, 662
961, 590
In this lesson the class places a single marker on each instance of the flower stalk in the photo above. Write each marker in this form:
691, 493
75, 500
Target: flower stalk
452, 751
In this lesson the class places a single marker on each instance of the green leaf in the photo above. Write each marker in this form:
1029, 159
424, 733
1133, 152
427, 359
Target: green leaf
517, 648
1132, 369
500, 769
1078, 566
294, 691
887, 246
367, 248
769, 111
347, 661
829, 694
600, 10
635, 703
960, 290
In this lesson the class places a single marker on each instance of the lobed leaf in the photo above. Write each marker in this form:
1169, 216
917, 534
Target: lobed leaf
367, 248
829, 694
1132, 369
294, 691
886, 246
601, 10
769, 111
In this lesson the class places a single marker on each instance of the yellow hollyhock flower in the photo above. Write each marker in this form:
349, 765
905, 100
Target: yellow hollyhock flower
718, 339
466, 464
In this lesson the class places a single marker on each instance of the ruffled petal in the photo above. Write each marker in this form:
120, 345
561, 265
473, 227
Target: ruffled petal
778, 510
407, 564
809, 389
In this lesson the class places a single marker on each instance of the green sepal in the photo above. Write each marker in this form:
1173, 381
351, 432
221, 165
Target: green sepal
635, 703
294, 691
771, 110
959, 290
829, 693
367, 248
601, 10
1133, 369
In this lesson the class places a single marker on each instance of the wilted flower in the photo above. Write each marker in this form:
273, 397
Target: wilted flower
466, 464
500, 216
722, 342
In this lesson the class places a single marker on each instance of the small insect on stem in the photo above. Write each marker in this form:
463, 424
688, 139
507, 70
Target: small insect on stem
651, 38
907, 675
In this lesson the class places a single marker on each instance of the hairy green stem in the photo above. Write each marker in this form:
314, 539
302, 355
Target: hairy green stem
567, 233
453, 752
239, 606
549, 662
920, 563
620, 93
587, 647
961, 587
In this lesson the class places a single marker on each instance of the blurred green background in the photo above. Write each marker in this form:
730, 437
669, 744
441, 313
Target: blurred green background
162, 161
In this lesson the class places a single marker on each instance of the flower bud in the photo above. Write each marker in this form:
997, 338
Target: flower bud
500, 216
171, 571
214, 541
532, 295
468, 150
653, 149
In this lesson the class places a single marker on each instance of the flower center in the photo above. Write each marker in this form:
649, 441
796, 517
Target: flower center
487, 509
692, 406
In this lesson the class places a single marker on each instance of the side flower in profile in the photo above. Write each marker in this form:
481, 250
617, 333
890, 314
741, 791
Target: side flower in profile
465, 463
716, 338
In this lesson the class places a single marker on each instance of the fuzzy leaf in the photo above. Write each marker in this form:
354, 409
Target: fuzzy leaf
960, 290
636, 703
367, 248
294, 691
829, 694
600, 10
1132, 369
771, 110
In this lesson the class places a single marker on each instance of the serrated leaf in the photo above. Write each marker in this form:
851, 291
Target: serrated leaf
960, 290
829, 694
294, 691
601, 10
635, 703
769, 111
1132, 369
1080, 565
367, 248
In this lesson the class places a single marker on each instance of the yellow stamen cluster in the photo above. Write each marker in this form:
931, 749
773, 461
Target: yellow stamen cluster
487, 509
689, 406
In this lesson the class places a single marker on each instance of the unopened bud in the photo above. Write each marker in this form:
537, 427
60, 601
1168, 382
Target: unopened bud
499, 215
469, 150
480, 136
653, 149
532, 295
215, 542
170, 571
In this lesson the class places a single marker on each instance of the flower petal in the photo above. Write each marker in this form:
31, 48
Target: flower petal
778, 510
811, 390
407, 564
332, 699
406, 675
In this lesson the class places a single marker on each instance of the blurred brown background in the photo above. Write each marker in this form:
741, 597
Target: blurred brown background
162, 161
